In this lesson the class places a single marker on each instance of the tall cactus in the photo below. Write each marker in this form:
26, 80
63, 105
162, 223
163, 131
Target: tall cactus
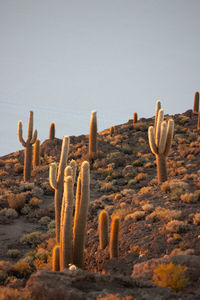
80, 222
160, 140
31, 138
66, 225
57, 182
52, 131
103, 229
198, 121
78, 200
196, 103
93, 135
36, 154
73, 165
56, 258
135, 118
114, 238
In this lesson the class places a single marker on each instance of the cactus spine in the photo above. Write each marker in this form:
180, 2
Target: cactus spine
36, 154
52, 131
196, 103
80, 222
114, 238
66, 225
57, 182
56, 258
135, 118
160, 140
103, 229
93, 135
31, 138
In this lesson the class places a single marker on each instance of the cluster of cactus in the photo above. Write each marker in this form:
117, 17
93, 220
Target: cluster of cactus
114, 233
93, 135
70, 247
28, 145
160, 140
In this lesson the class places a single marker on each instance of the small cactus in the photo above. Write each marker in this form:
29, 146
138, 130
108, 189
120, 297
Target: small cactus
66, 225
57, 182
56, 258
73, 165
93, 135
198, 121
112, 130
31, 138
80, 222
160, 140
36, 154
196, 103
103, 229
135, 118
52, 131
114, 238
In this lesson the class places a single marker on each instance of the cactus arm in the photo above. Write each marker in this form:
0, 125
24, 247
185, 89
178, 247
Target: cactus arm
163, 138
152, 143
63, 158
30, 126
52, 176
56, 258
34, 137
20, 134
158, 107
170, 133
158, 126
73, 165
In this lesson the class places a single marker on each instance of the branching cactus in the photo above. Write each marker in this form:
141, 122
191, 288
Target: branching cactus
196, 103
36, 154
93, 135
160, 140
66, 243
80, 222
135, 118
56, 258
57, 182
114, 238
31, 138
103, 229
52, 131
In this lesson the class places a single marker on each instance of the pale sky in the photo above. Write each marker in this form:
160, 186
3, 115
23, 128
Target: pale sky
63, 59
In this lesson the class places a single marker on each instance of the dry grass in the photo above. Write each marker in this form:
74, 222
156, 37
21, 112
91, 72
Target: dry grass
16, 201
176, 226
163, 214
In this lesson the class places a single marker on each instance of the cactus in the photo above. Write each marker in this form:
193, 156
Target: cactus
80, 222
52, 131
198, 121
31, 138
158, 107
78, 199
66, 225
196, 103
56, 258
103, 229
114, 238
73, 165
160, 140
36, 154
135, 118
93, 135
57, 183
112, 130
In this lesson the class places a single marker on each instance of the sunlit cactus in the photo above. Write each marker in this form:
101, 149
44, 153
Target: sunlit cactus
56, 258
112, 130
160, 140
93, 135
80, 222
52, 131
31, 138
56, 180
198, 121
103, 229
36, 154
196, 103
135, 118
114, 238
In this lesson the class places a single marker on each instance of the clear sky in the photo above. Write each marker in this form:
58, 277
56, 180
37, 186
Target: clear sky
64, 58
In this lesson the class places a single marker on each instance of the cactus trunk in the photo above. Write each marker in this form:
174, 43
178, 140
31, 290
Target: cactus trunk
161, 168
27, 162
56, 258
114, 238
103, 229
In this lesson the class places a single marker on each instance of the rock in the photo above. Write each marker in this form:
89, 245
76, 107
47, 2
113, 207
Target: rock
81, 285
144, 271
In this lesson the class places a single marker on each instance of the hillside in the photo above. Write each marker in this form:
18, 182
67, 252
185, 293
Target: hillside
159, 223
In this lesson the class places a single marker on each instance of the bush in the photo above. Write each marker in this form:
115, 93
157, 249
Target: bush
32, 238
170, 275
22, 269
13, 253
8, 294
176, 226
17, 201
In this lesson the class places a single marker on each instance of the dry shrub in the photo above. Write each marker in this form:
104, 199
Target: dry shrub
121, 213
191, 197
170, 275
170, 185
196, 219
9, 213
148, 208
22, 269
16, 201
164, 214
3, 173
18, 168
32, 238
136, 216
144, 190
13, 253
140, 177
176, 226
13, 294
35, 202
